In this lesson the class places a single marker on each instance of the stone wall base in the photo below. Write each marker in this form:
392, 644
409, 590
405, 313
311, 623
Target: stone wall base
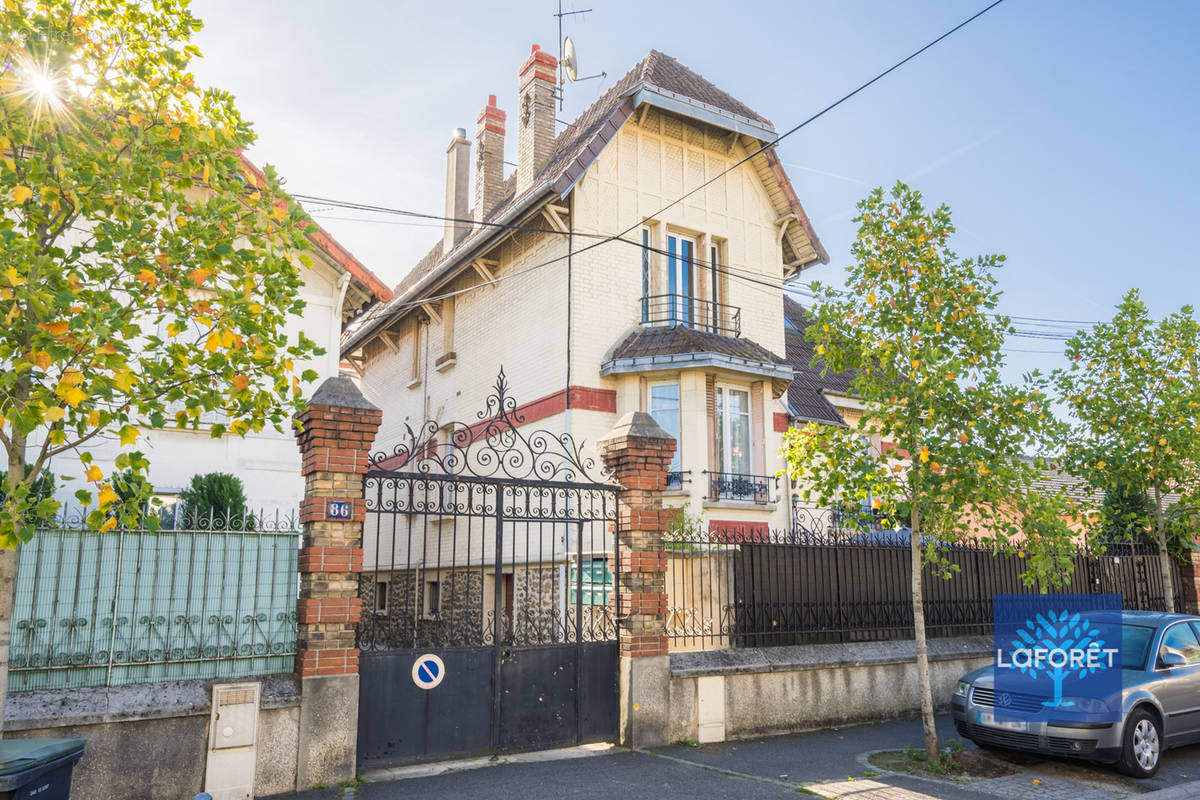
150, 741
645, 701
328, 730
718, 695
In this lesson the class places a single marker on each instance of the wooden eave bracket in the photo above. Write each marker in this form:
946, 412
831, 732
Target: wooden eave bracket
554, 215
433, 311
484, 267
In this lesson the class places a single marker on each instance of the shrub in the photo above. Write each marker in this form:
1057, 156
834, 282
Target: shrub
216, 500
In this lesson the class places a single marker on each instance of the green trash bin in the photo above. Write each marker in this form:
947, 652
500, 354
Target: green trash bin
38, 769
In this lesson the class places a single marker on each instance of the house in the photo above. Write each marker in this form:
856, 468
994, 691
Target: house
632, 261
337, 289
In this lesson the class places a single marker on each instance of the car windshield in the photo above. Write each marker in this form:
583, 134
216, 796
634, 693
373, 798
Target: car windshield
1135, 643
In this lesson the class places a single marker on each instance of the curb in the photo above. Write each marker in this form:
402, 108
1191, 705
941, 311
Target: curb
1184, 791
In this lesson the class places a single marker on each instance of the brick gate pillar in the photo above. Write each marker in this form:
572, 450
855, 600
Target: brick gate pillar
637, 454
335, 434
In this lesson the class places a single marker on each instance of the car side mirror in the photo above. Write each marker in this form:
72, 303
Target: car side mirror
1170, 660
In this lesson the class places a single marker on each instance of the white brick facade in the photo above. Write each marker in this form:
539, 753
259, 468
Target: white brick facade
521, 322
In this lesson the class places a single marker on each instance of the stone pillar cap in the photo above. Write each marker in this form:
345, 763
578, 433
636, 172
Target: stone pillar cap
640, 424
340, 391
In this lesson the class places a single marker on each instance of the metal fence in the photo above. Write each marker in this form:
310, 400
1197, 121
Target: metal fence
836, 579
134, 606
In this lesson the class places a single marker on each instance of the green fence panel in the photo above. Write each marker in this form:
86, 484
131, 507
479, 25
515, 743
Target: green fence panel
108, 609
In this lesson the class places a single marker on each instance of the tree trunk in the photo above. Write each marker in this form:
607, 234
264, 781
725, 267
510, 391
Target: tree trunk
931, 742
8, 573
1164, 558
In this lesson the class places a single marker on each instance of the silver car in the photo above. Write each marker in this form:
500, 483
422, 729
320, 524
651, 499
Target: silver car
1160, 702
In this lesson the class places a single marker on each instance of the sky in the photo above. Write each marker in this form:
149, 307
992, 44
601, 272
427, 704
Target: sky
1062, 134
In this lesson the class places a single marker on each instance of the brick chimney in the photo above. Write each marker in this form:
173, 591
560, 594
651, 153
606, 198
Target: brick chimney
458, 174
535, 139
489, 159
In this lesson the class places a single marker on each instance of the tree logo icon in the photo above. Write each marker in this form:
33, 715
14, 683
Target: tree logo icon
1058, 645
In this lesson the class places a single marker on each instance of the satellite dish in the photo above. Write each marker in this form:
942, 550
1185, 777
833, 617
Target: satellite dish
570, 60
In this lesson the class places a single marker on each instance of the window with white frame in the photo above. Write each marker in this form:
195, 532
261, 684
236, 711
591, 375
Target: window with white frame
664, 407
733, 480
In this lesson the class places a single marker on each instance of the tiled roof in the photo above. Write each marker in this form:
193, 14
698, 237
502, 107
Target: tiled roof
320, 238
574, 149
806, 395
680, 339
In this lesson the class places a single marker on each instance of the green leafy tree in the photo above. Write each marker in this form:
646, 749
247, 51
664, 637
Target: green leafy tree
918, 330
1133, 389
1125, 512
147, 272
216, 500
41, 493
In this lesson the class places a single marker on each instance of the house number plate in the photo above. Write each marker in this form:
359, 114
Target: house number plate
338, 509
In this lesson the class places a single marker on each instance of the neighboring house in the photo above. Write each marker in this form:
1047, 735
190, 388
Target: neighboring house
682, 319
337, 288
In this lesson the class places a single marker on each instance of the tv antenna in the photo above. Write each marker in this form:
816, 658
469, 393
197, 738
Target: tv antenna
568, 58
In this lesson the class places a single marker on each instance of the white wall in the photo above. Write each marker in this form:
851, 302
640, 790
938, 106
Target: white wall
268, 462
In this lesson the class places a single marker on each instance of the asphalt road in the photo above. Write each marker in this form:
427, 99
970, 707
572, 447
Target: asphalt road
825, 762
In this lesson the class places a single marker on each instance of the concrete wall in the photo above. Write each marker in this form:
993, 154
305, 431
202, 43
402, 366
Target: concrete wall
719, 694
150, 741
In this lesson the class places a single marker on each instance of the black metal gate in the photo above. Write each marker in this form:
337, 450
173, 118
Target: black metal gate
491, 548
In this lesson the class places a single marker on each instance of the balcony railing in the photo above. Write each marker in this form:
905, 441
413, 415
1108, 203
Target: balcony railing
677, 478
740, 486
677, 309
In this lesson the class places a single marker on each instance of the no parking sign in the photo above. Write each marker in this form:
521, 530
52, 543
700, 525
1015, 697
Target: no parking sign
428, 671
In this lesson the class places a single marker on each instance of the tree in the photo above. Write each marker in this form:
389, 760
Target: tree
40, 491
1124, 512
1133, 388
146, 273
216, 500
918, 330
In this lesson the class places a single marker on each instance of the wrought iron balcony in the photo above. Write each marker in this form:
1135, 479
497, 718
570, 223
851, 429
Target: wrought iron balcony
678, 309
740, 486
676, 480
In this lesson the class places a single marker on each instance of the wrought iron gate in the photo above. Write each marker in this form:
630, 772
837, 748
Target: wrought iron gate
491, 548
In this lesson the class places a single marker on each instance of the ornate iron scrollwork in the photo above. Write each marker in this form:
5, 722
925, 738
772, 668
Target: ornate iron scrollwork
495, 446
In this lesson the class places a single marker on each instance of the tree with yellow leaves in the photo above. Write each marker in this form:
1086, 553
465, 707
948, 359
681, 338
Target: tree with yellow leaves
1133, 388
146, 272
918, 331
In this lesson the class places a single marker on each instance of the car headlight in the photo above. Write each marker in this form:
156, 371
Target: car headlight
1087, 705
962, 689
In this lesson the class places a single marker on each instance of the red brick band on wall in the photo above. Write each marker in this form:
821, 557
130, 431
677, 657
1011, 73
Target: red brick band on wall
330, 559
327, 662
311, 611
780, 421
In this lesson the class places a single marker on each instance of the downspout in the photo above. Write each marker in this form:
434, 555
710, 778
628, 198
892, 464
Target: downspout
565, 579
335, 350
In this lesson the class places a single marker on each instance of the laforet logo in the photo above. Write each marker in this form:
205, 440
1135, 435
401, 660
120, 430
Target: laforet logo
1056, 647
1057, 655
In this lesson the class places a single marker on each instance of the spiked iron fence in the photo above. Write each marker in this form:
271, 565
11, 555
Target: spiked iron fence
837, 578
212, 598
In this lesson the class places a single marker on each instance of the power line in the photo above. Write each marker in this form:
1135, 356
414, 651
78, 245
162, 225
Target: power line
822, 112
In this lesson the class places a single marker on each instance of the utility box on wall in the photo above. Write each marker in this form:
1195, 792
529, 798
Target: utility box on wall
231, 741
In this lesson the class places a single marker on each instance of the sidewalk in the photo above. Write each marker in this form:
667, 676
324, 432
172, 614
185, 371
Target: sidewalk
827, 763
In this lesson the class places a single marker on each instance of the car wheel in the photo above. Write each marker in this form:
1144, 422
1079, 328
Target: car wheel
1142, 745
